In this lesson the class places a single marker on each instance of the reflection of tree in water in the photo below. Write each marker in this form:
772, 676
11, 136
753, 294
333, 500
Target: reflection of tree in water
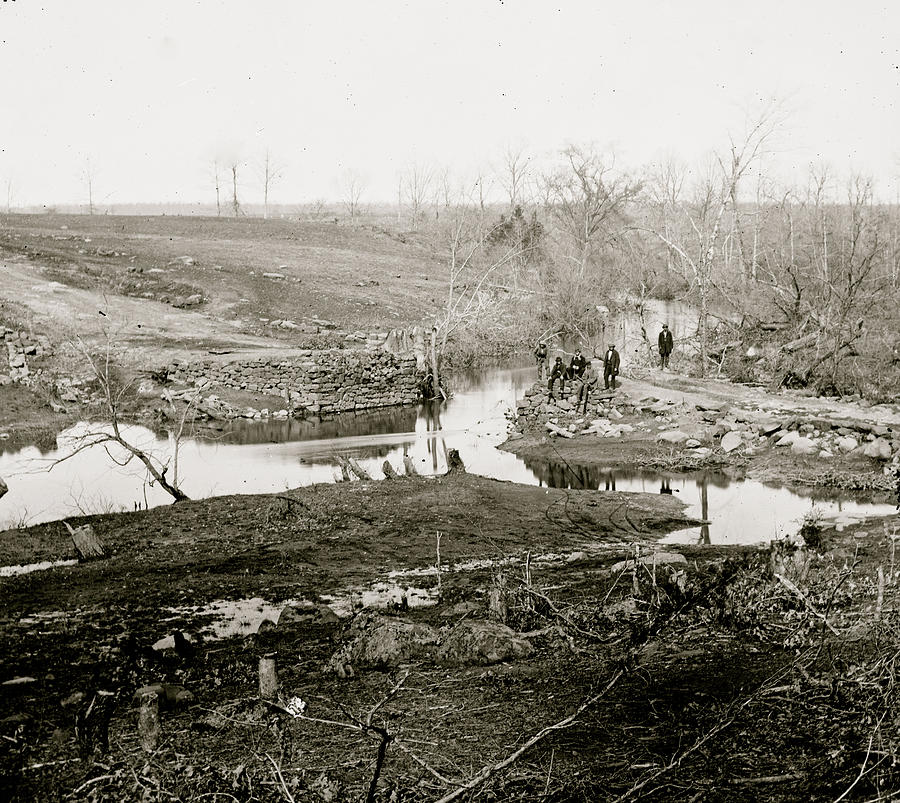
338, 425
432, 412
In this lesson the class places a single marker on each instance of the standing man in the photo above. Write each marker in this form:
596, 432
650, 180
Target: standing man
610, 366
588, 383
665, 346
540, 356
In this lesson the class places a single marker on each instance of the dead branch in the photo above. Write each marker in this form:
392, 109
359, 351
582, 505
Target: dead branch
489, 770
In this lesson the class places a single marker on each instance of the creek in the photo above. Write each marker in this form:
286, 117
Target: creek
273, 456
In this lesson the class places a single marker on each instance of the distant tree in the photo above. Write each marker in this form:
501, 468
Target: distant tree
216, 179
9, 195
88, 175
514, 172
352, 186
418, 180
235, 204
270, 172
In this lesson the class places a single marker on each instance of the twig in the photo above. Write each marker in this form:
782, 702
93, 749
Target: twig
802, 597
280, 778
489, 770
403, 748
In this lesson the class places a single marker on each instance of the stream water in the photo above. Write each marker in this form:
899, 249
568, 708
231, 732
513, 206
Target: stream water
256, 457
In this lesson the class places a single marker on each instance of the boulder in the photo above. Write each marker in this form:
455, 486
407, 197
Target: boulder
478, 641
879, 449
374, 641
804, 446
731, 441
786, 439
846, 444
672, 436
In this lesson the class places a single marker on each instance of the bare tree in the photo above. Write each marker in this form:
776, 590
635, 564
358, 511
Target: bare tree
270, 172
514, 173
113, 392
216, 180
417, 181
9, 194
88, 175
352, 186
235, 204
698, 243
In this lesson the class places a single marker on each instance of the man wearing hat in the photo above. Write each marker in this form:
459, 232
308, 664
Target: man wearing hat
665, 346
540, 356
610, 366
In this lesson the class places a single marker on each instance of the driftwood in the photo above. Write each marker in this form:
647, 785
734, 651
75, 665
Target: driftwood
389, 472
86, 542
409, 466
559, 430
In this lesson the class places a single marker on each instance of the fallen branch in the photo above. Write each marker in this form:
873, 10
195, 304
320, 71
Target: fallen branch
802, 597
489, 770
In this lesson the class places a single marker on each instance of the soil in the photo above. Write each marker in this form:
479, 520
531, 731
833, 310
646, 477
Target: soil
703, 674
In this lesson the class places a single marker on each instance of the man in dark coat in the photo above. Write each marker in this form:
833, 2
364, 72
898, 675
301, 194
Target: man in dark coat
665, 346
540, 356
576, 367
589, 380
557, 372
610, 366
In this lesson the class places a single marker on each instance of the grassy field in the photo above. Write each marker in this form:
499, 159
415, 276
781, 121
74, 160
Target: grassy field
358, 277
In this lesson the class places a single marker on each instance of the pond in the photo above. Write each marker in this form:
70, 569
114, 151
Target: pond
259, 457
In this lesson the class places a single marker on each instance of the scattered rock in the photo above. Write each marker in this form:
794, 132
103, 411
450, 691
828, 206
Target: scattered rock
731, 441
376, 642
479, 641
787, 438
878, 449
804, 446
306, 613
169, 695
847, 444
672, 436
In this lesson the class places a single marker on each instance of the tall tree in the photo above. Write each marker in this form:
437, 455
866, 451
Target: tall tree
235, 204
270, 172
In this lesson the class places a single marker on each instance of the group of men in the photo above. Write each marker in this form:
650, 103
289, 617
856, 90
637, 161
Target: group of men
578, 370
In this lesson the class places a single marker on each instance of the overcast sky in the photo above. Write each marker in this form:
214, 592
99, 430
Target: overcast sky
152, 93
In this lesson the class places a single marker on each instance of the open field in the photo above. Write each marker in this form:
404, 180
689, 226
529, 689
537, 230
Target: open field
354, 277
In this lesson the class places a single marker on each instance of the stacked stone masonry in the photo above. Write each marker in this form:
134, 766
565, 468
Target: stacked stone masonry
19, 347
315, 381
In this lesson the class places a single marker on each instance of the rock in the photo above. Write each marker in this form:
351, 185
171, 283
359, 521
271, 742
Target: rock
879, 449
804, 446
169, 695
847, 444
825, 453
768, 426
478, 641
377, 642
672, 436
731, 441
786, 439
306, 613
273, 275
19, 681
691, 443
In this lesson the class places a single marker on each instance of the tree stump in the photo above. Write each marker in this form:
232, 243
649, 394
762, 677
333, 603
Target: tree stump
268, 677
389, 473
409, 466
92, 725
357, 469
455, 462
345, 467
148, 722
86, 542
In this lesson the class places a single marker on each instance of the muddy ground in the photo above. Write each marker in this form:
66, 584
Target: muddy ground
703, 679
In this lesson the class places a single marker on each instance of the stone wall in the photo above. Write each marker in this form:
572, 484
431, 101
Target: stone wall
19, 346
315, 381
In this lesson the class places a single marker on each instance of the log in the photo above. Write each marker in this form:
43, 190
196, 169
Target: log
800, 342
148, 722
388, 469
409, 466
268, 677
86, 542
559, 430
357, 469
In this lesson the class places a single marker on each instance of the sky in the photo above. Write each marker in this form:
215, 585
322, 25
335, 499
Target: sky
151, 95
